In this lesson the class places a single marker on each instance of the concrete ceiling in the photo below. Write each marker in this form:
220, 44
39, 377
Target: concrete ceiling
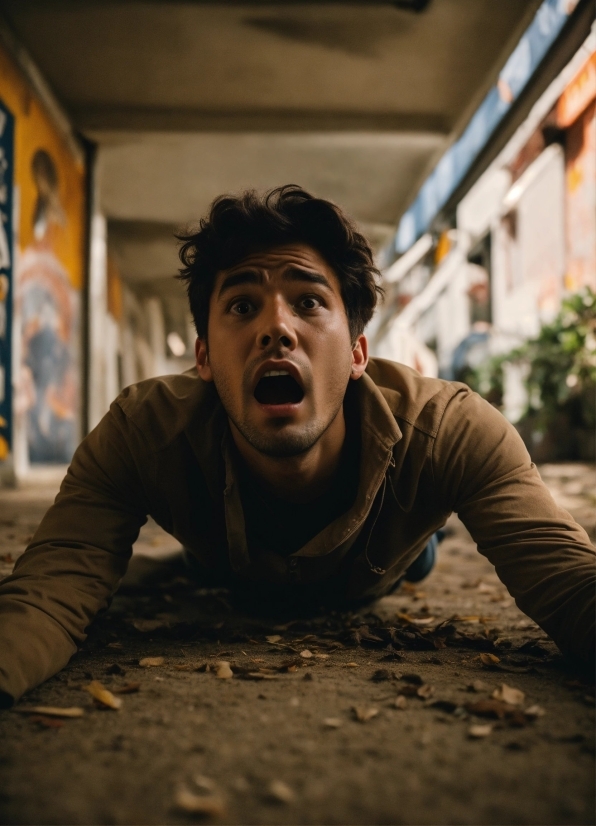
187, 100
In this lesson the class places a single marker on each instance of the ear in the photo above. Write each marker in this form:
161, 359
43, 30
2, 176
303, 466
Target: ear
359, 357
202, 360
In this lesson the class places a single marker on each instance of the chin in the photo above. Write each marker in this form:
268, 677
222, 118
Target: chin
282, 445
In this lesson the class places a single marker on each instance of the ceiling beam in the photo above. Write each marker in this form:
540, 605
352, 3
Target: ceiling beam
165, 119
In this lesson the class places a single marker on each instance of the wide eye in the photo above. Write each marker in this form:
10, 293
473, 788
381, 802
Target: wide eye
309, 302
241, 307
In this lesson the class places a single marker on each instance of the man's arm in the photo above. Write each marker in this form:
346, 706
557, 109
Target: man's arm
540, 553
74, 562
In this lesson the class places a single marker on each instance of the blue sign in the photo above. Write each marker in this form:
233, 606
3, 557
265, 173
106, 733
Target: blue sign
6, 277
455, 163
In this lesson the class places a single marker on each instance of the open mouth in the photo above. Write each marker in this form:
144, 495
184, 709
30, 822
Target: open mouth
278, 387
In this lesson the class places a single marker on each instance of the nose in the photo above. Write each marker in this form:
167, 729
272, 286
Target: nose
277, 328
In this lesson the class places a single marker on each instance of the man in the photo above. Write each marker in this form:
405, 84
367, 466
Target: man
289, 467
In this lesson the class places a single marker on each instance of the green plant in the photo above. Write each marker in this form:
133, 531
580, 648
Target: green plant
560, 367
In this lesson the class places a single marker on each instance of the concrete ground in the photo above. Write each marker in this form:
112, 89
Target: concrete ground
382, 718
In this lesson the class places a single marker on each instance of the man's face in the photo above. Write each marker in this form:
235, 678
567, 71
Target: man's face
279, 348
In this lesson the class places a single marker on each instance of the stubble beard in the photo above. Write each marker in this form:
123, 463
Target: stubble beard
289, 441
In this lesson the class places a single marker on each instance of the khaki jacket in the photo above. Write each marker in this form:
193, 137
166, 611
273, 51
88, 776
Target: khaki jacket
428, 448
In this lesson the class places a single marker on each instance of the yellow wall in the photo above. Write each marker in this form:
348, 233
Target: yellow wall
34, 130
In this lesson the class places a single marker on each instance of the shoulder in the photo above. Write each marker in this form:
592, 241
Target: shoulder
412, 398
161, 408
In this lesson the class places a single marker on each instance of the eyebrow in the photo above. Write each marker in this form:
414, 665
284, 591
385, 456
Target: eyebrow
291, 274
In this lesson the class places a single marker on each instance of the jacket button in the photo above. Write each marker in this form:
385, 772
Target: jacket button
293, 567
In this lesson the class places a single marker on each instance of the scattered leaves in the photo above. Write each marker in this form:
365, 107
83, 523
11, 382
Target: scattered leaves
151, 662
510, 695
425, 691
207, 805
51, 711
103, 696
332, 722
489, 659
204, 783
535, 711
147, 625
281, 792
364, 714
409, 620
400, 702
478, 686
223, 670
476, 732
273, 638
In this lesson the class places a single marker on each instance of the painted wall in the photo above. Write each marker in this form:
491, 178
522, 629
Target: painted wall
49, 231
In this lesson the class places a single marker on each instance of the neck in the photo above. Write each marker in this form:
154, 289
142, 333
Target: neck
297, 478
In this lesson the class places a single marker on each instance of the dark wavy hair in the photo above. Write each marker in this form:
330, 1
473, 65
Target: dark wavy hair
239, 225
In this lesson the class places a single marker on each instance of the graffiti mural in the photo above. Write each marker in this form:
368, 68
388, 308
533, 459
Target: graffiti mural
6, 271
48, 311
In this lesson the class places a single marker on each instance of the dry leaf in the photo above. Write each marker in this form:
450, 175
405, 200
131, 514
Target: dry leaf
414, 620
146, 625
306, 654
151, 662
224, 672
476, 732
510, 695
400, 702
425, 691
364, 714
103, 696
489, 659
204, 783
478, 686
273, 638
281, 792
534, 711
351, 665
332, 722
210, 806
51, 711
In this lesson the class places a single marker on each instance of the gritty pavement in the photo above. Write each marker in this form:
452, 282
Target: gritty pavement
443, 704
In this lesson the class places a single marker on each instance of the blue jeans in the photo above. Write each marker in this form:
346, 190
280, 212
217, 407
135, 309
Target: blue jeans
423, 565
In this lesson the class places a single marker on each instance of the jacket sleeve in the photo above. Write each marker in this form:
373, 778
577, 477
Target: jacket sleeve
540, 553
75, 560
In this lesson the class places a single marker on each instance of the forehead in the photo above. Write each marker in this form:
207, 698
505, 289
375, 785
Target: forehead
273, 261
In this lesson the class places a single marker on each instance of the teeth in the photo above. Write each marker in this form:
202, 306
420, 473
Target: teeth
276, 373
